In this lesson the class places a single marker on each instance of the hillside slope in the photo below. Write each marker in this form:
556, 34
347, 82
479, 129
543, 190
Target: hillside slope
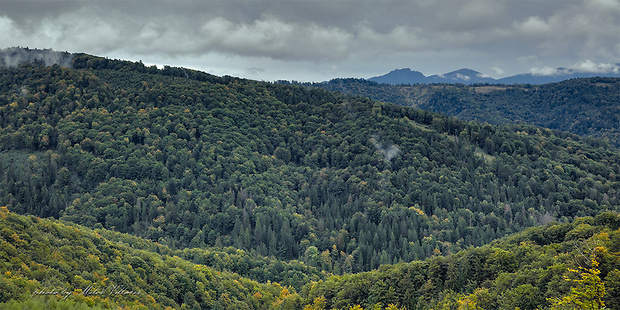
587, 107
45, 263
342, 183
536, 269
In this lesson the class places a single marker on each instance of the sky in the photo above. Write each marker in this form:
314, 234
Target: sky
318, 40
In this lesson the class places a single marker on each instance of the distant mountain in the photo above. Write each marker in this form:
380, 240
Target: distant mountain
407, 76
463, 76
401, 76
468, 76
562, 74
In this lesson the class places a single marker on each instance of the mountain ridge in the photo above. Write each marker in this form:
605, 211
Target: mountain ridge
584, 106
469, 76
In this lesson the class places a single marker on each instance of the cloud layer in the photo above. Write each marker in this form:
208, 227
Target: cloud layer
319, 39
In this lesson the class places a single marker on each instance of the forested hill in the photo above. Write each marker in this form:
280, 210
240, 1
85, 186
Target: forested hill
279, 170
342, 183
557, 266
46, 264
587, 106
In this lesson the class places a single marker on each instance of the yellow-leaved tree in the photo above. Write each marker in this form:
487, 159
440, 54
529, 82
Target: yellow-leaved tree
590, 289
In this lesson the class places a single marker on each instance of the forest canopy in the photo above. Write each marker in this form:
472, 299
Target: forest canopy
586, 107
291, 183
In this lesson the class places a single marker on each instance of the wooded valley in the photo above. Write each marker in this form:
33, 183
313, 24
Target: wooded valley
225, 193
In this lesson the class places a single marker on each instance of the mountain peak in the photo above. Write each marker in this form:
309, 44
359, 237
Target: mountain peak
400, 76
465, 71
466, 75
469, 76
407, 76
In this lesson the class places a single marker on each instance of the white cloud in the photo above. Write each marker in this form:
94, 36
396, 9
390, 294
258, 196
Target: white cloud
462, 77
544, 71
7, 31
534, 26
586, 66
497, 70
589, 66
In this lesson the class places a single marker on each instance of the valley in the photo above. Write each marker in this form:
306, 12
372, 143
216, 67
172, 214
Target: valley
207, 192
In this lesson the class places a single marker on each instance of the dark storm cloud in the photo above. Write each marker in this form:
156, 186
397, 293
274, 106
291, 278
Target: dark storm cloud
308, 38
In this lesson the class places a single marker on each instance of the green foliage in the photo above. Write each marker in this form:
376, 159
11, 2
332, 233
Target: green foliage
586, 107
286, 184
589, 292
488, 278
200, 161
45, 264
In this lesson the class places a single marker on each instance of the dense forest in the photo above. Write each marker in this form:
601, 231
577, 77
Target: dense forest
42, 258
277, 183
558, 266
45, 264
587, 107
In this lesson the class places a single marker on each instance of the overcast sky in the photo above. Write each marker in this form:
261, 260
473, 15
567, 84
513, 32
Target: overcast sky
317, 40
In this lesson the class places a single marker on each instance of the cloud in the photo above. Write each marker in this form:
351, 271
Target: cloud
316, 38
12, 57
578, 29
399, 38
534, 26
591, 67
387, 151
608, 6
545, 71
586, 66
274, 38
497, 70
480, 14
462, 77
